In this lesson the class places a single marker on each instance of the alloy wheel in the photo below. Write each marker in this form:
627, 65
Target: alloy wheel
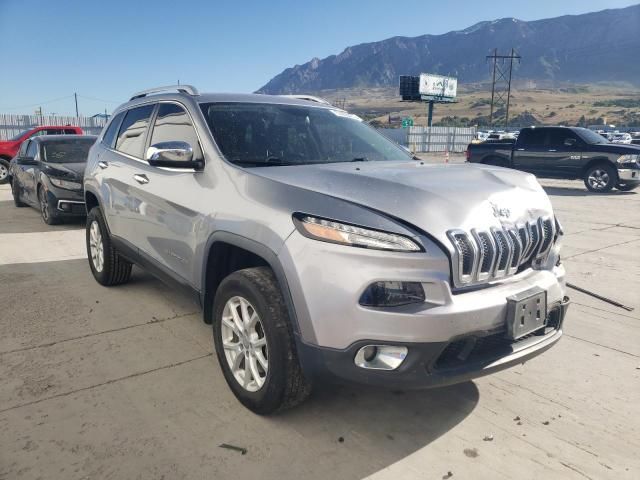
598, 179
4, 172
96, 246
244, 343
44, 206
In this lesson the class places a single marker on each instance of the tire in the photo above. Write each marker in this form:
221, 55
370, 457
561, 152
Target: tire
626, 188
107, 265
4, 171
48, 216
16, 195
269, 337
600, 178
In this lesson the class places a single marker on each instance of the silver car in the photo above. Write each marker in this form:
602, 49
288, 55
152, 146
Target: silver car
318, 249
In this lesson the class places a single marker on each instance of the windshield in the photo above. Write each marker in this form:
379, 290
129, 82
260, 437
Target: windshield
67, 151
590, 136
17, 137
258, 134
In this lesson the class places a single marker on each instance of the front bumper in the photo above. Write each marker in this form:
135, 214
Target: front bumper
66, 203
332, 326
437, 364
629, 175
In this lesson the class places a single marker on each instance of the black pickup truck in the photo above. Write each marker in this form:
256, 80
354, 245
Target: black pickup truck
565, 152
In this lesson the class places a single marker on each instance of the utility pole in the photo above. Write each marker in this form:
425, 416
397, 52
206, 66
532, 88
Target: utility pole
501, 82
75, 95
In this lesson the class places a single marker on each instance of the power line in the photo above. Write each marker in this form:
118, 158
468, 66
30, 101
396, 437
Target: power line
100, 99
37, 104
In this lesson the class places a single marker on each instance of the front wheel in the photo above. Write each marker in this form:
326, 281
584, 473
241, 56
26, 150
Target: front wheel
45, 208
600, 178
625, 187
254, 342
107, 266
4, 171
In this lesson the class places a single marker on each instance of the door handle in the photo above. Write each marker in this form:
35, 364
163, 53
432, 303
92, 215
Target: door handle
552, 150
141, 178
102, 164
521, 149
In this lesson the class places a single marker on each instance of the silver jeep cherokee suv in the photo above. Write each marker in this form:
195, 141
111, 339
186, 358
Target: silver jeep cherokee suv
316, 246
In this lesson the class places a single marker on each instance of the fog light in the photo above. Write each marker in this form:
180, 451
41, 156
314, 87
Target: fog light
380, 357
392, 294
65, 206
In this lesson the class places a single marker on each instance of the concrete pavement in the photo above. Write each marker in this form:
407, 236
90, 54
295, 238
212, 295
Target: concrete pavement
121, 382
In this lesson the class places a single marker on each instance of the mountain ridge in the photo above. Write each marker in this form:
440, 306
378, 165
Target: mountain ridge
585, 48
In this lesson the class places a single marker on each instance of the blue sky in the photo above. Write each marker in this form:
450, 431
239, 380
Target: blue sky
105, 50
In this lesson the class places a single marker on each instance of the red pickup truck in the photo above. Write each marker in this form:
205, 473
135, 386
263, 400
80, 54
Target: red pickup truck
9, 148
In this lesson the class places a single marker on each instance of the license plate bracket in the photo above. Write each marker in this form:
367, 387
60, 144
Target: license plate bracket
526, 312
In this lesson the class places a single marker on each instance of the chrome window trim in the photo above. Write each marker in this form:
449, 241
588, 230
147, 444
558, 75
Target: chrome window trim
150, 132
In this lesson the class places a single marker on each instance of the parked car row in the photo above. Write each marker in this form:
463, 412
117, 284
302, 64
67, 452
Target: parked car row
47, 174
9, 148
316, 247
565, 152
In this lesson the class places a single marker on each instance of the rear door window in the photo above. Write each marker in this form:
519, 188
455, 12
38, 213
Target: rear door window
109, 136
132, 136
532, 138
54, 131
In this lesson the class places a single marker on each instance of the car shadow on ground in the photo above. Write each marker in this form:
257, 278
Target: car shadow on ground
582, 192
379, 426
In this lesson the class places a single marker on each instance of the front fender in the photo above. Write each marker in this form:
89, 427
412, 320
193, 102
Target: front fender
259, 249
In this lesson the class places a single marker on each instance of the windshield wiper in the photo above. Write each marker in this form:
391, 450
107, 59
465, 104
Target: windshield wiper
270, 162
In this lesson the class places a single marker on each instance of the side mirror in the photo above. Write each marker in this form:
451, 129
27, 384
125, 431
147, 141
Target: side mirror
172, 155
569, 142
26, 161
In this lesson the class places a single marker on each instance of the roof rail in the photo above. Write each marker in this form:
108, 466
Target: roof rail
190, 89
309, 98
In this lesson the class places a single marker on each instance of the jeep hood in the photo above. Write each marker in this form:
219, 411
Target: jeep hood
435, 198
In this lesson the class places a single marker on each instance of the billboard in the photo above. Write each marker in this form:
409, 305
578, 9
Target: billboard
438, 86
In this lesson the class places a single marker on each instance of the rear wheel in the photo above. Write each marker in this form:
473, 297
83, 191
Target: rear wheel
600, 178
254, 342
48, 216
107, 266
4, 171
15, 191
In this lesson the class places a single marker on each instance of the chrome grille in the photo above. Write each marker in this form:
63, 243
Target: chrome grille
481, 255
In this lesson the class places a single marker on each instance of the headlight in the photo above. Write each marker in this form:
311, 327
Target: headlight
66, 184
629, 159
345, 234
